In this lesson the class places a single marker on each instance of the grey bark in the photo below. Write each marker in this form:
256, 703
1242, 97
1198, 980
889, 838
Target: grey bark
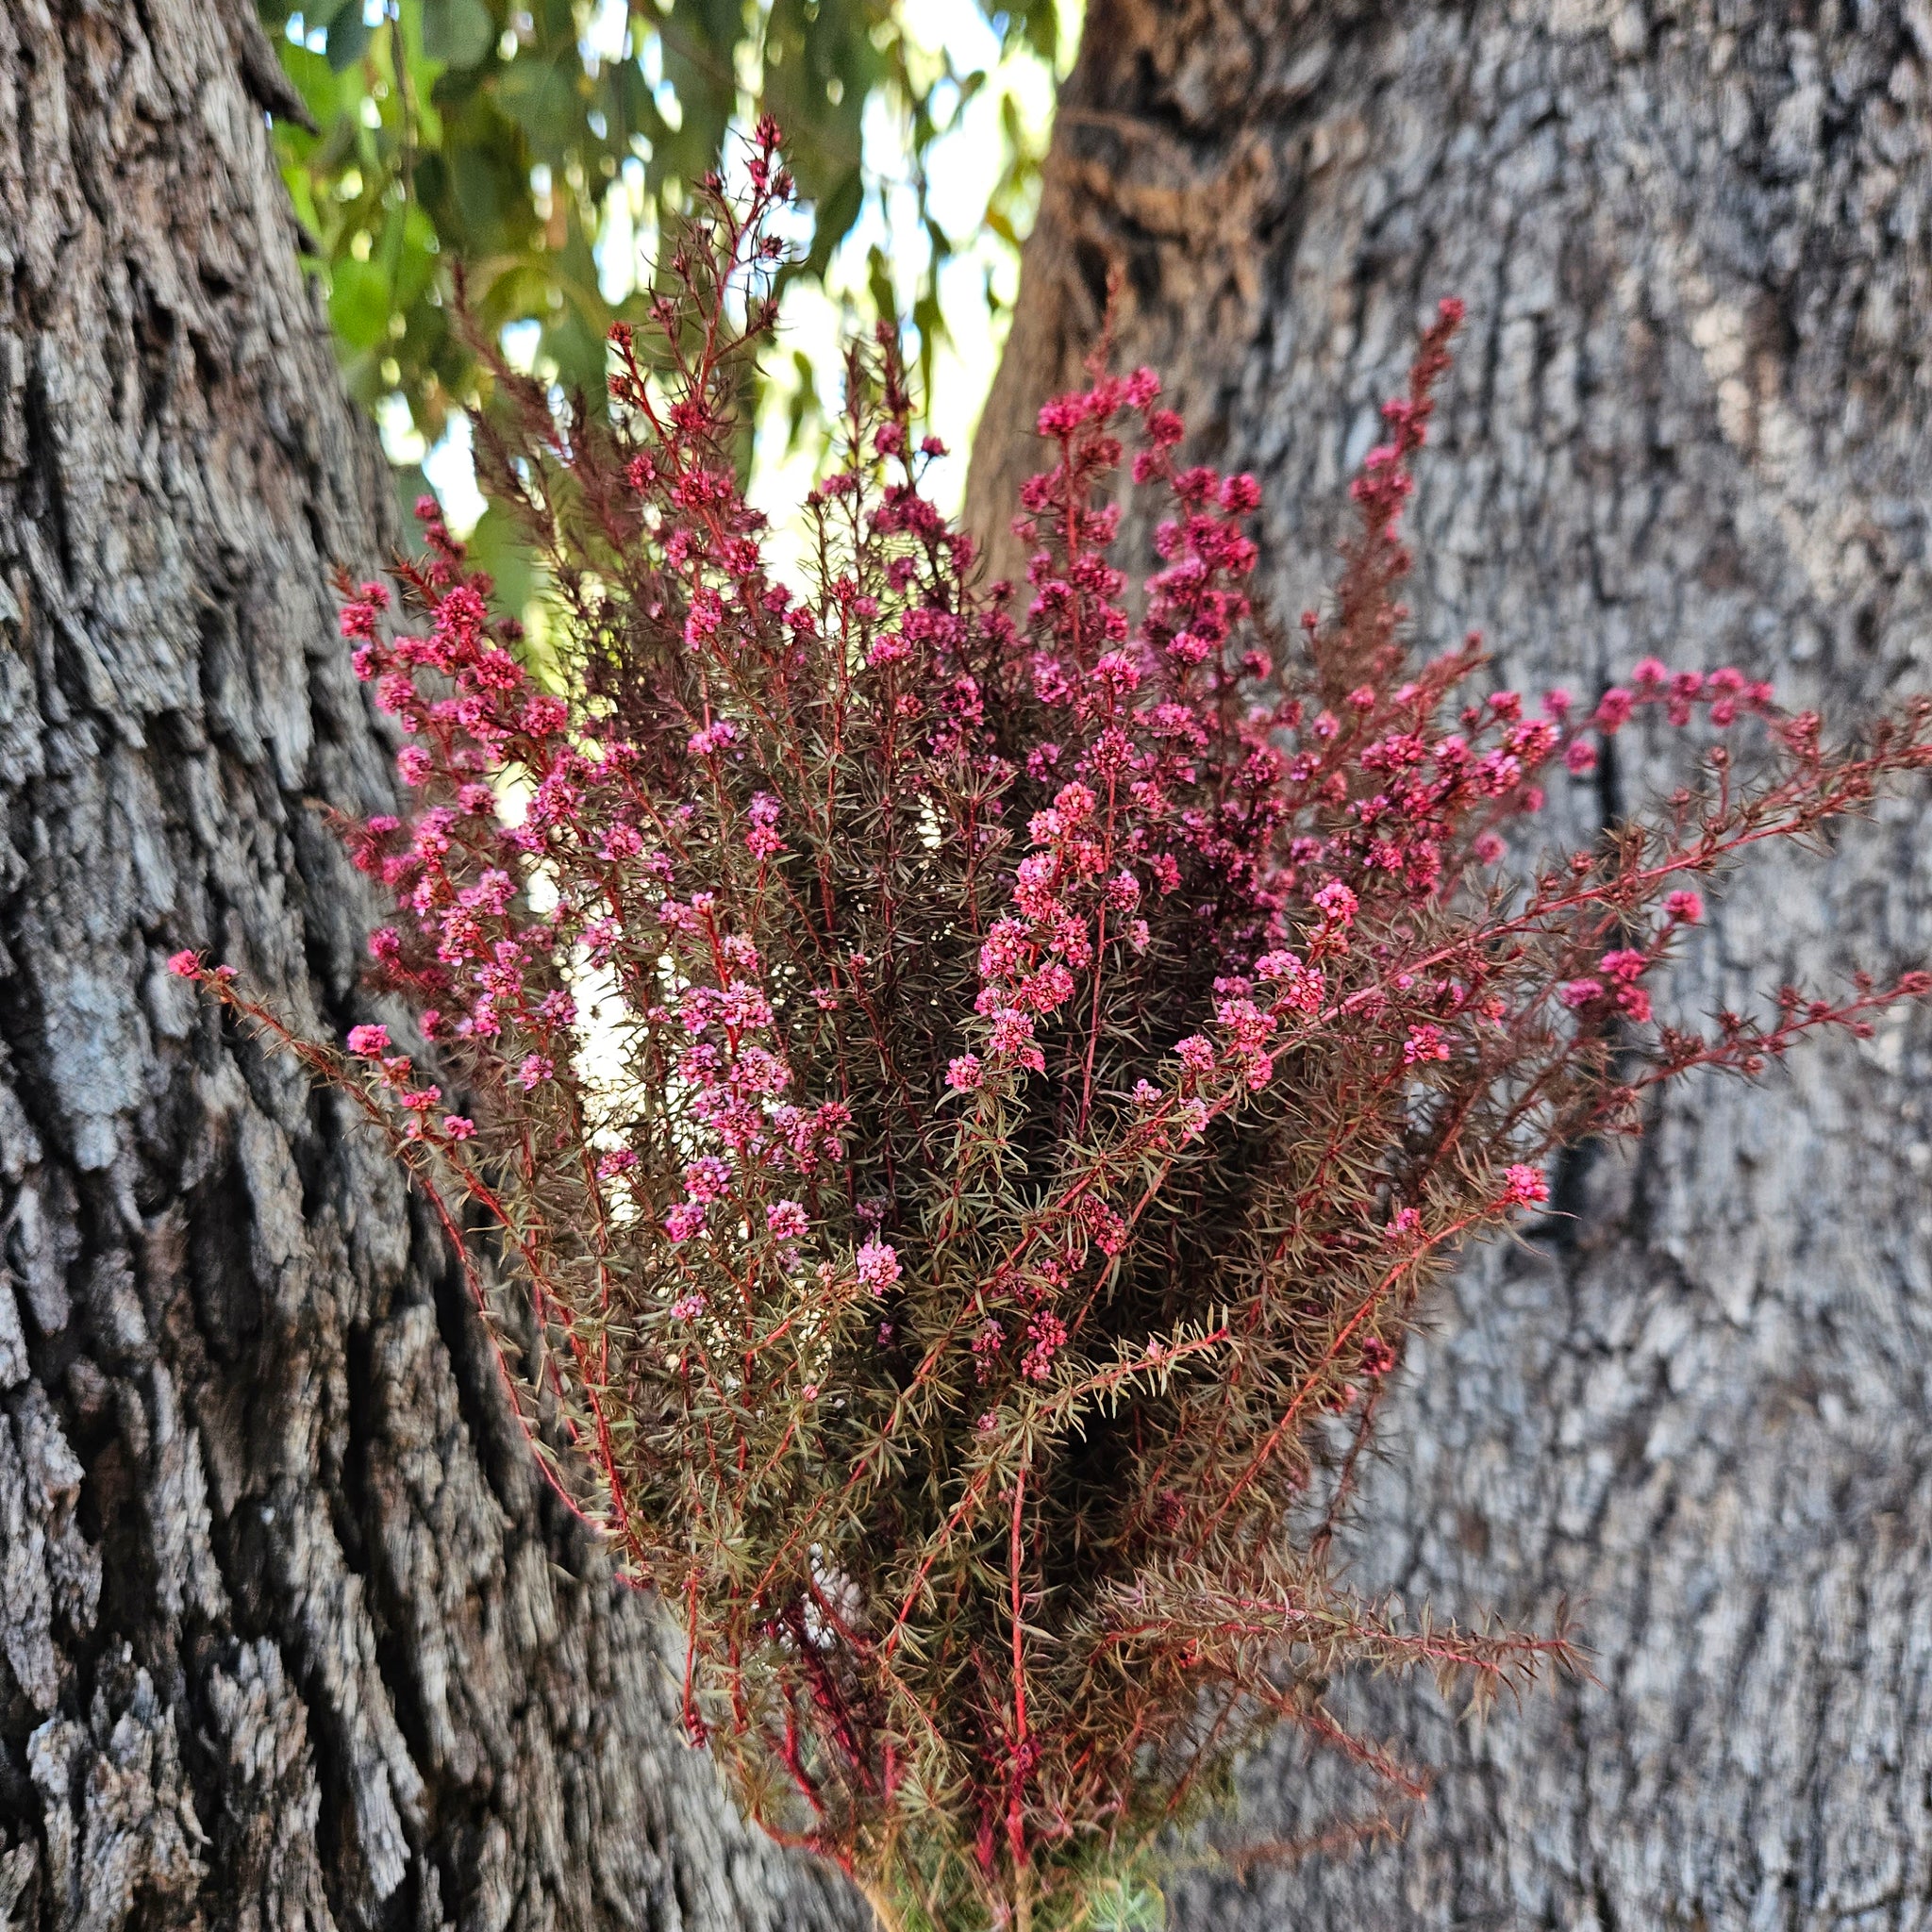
288, 1636
1691, 417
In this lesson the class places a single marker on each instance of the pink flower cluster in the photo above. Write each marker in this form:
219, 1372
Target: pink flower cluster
970, 1075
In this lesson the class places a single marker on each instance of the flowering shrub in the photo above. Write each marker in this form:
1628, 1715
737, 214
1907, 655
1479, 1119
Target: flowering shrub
975, 1079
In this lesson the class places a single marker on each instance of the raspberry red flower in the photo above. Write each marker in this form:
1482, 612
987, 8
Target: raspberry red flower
1220, 929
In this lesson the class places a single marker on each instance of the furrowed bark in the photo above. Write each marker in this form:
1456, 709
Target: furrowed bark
1690, 417
290, 1633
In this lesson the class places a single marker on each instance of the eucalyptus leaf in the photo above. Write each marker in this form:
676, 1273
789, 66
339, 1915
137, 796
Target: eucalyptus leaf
459, 33
358, 301
495, 545
348, 35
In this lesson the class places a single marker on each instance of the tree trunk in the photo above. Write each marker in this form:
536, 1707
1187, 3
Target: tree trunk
1690, 418
288, 1636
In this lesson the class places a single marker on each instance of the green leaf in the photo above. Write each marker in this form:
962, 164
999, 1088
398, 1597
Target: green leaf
804, 400
407, 254
359, 301
540, 97
459, 33
410, 483
496, 545
879, 277
348, 35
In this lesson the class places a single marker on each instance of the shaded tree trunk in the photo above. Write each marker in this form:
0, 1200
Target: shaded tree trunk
288, 1635
1690, 418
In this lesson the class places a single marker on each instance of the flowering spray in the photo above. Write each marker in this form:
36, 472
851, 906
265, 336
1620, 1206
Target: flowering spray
972, 1081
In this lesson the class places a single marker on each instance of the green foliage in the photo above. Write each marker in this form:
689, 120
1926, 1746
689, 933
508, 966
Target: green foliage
514, 139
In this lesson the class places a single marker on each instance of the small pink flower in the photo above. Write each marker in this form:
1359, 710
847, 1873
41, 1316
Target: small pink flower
1196, 1054
1048, 1334
707, 1179
1337, 904
684, 1220
369, 1043
965, 1072
1613, 709
1012, 1033
1686, 907
536, 1069
878, 1266
786, 1220
184, 965
1240, 494
1076, 803
359, 620
458, 1126
1062, 415
1424, 1043
688, 1308
1524, 1187
1108, 1230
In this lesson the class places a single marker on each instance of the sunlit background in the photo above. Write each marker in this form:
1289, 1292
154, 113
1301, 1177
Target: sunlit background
547, 146
1001, 130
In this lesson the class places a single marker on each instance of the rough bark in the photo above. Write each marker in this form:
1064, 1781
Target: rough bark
288, 1635
1691, 417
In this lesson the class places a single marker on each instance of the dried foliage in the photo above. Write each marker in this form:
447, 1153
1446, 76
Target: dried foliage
974, 1081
